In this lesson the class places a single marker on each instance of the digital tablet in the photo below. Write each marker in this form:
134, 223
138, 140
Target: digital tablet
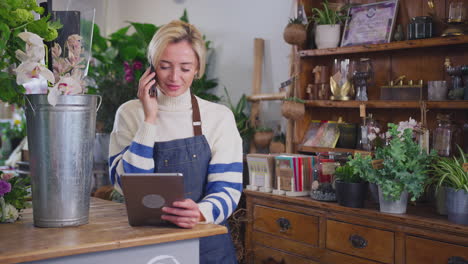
146, 193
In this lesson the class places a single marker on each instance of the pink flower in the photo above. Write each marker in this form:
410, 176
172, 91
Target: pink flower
5, 187
126, 65
129, 78
137, 65
6, 176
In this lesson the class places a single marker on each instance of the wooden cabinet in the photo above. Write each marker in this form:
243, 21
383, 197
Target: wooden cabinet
421, 59
302, 230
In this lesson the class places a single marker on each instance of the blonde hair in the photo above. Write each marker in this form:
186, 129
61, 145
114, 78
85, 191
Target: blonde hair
174, 32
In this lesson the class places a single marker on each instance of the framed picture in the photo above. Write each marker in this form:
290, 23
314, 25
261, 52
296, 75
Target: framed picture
370, 23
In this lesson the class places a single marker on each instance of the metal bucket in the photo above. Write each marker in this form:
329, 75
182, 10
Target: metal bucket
61, 141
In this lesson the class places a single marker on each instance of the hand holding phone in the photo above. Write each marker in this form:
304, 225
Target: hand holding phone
153, 92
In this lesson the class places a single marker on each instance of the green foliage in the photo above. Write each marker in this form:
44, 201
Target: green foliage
328, 16
405, 165
263, 129
449, 172
294, 99
121, 51
241, 116
13, 130
295, 21
347, 173
17, 16
279, 138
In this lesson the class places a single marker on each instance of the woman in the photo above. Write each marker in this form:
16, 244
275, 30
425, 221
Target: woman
162, 134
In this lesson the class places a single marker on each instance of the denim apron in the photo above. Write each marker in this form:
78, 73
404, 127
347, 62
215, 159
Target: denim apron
191, 157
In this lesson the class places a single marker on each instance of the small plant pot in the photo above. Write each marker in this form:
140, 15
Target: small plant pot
292, 110
295, 34
457, 206
263, 139
351, 194
277, 147
441, 197
387, 205
327, 36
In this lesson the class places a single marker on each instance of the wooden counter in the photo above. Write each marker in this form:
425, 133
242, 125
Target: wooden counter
108, 229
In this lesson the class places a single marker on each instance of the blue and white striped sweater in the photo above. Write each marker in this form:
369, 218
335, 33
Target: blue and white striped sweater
224, 181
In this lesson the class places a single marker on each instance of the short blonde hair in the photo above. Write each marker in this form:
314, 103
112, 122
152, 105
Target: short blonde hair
174, 32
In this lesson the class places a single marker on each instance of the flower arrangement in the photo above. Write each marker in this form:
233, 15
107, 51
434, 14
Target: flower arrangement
17, 25
13, 196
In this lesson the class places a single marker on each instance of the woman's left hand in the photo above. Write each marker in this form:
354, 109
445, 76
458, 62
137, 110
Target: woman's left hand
183, 213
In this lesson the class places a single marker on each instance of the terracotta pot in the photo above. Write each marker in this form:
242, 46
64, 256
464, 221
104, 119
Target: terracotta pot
295, 34
292, 110
263, 139
277, 147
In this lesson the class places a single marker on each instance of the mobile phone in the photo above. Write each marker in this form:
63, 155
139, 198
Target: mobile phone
153, 92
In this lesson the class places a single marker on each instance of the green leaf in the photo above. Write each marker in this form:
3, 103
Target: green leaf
145, 31
184, 17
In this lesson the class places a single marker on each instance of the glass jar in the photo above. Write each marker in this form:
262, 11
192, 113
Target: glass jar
363, 78
443, 136
369, 134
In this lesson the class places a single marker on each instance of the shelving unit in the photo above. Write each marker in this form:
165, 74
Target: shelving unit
397, 45
301, 230
388, 104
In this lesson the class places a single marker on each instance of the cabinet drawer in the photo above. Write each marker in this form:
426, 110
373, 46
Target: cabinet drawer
360, 241
426, 251
286, 224
264, 255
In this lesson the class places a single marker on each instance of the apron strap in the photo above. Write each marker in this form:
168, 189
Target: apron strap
197, 131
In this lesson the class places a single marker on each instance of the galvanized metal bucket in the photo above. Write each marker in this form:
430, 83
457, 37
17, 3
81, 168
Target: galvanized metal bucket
61, 141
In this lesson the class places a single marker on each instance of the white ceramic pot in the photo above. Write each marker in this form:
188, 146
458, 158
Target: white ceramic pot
327, 36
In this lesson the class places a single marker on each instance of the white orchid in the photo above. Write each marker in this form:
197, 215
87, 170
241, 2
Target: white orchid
32, 72
28, 71
35, 50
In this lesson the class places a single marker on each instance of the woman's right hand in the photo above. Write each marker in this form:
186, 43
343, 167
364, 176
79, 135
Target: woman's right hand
150, 104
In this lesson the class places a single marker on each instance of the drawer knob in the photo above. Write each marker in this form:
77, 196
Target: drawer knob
457, 260
357, 241
284, 224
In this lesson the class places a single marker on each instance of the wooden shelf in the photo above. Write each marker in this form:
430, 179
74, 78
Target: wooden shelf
388, 104
321, 149
397, 45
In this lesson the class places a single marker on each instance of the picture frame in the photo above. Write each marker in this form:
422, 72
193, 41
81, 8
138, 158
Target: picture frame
370, 23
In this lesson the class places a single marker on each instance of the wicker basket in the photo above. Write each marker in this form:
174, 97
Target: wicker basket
295, 34
277, 147
263, 139
292, 110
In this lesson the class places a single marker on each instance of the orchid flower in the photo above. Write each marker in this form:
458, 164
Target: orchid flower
32, 70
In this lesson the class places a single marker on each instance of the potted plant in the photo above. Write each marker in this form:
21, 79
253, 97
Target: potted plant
295, 32
451, 175
293, 108
327, 25
13, 197
350, 187
401, 168
263, 137
242, 119
277, 144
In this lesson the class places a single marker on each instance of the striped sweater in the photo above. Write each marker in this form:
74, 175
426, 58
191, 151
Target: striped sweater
132, 142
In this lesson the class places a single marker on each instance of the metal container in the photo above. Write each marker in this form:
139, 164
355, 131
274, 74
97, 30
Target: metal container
393, 207
61, 141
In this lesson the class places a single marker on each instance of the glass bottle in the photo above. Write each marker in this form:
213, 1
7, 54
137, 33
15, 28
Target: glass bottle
363, 77
443, 135
369, 133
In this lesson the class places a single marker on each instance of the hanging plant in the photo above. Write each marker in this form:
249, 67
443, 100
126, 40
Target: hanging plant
293, 108
263, 137
295, 32
277, 144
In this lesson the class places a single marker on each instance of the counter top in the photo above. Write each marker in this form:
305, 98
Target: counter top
107, 229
